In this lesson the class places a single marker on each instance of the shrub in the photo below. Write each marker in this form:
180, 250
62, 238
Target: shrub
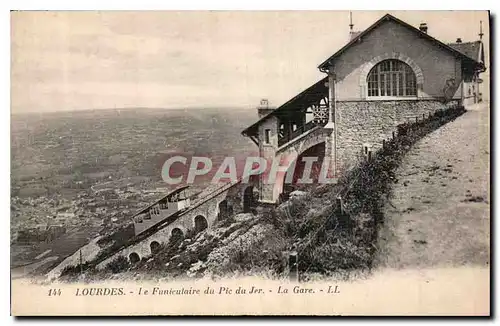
330, 240
70, 270
118, 265
338, 251
266, 255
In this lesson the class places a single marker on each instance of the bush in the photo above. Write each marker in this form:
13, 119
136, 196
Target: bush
70, 270
339, 252
222, 223
330, 240
266, 255
118, 265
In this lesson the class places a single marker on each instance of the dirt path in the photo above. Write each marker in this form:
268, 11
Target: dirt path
439, 210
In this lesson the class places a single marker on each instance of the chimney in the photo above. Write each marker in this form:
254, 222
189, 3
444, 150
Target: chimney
423, 27
351, 25
352, 33
459, 40
263, 108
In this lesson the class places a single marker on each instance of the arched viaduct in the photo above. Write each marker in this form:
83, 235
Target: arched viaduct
202, 214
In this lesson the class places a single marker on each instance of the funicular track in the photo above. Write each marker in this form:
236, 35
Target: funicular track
166, 222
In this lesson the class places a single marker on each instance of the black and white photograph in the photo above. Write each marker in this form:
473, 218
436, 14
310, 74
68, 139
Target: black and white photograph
161, 160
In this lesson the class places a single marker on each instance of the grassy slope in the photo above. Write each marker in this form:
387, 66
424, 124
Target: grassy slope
439, 211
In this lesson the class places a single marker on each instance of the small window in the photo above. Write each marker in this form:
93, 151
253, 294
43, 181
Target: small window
267, 136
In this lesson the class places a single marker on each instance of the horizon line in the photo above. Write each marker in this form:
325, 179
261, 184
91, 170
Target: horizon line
135, 108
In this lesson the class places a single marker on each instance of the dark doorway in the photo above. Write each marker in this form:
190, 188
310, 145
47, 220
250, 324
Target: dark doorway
225, 210
200, 223
248, 200
134, 258
176, 235
155, 247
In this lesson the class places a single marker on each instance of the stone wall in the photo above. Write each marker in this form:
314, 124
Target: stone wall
268, 152
370, 122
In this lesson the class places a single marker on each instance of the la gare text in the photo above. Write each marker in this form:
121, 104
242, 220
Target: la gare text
221, 290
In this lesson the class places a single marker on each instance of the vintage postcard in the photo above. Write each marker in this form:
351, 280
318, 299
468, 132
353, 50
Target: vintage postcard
250, 163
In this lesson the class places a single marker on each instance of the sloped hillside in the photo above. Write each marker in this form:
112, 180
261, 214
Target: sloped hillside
333, 228
440, 208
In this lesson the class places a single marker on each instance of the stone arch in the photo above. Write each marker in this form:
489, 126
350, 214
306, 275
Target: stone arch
248, 200
298, 168
176, 234
154, 246
200, 223
134, 258
290, 157
367, 67
225, 210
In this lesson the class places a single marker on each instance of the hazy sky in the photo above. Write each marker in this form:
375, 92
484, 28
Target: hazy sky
92, 60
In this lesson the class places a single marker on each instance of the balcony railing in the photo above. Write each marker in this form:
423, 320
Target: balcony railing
296, 133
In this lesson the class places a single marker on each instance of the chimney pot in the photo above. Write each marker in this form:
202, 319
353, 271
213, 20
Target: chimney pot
423, 27
264, 103
459, 40
264, 109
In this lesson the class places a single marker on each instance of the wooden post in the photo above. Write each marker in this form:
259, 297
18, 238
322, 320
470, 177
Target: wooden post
81, 263
393, 135
340, 204
331, 99
293, 266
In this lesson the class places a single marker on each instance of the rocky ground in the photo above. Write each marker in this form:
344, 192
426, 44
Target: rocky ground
439, 211
229, 248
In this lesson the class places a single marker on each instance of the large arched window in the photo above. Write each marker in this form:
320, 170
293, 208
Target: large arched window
392, 78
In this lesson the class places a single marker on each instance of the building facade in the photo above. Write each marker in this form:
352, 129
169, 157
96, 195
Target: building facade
387, 75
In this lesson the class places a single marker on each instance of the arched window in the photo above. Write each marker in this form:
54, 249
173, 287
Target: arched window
392, 78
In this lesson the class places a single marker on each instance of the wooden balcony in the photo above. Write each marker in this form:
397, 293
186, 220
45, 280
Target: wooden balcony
298, 132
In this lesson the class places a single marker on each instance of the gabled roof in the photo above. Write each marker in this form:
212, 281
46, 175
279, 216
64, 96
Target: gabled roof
312, 94
319, 89
470, 49
323, 66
